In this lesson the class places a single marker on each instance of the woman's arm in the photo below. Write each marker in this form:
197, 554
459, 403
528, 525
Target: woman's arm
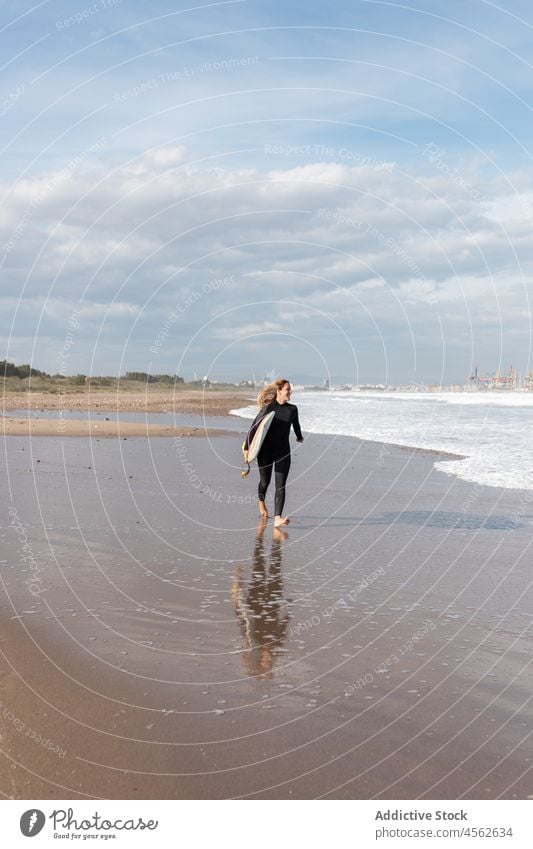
296, 426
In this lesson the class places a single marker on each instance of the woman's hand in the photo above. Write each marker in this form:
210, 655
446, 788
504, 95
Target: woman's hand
300, 440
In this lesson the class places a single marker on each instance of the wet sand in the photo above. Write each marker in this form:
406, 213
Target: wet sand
156, 644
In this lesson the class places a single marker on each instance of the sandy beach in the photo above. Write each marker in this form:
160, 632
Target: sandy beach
202, 403
210, 402
157, 643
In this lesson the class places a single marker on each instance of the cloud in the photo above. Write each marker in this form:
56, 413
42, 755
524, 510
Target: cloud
371, 249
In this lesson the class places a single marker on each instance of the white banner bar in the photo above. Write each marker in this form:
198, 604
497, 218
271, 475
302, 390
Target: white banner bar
268, 824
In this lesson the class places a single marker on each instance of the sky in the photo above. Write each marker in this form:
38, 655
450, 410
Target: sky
338, 191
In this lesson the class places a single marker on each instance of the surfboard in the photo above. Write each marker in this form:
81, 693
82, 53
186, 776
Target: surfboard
258, 438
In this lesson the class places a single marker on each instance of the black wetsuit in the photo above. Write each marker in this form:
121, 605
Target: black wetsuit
275, 450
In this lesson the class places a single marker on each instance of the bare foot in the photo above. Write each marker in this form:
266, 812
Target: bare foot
263, 512
280, 520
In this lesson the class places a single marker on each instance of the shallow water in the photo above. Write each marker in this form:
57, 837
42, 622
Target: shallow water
166, 418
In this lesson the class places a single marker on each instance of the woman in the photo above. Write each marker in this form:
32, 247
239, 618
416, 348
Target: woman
275, 451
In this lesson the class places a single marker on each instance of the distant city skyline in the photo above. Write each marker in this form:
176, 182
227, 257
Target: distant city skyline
512, 380
341, 192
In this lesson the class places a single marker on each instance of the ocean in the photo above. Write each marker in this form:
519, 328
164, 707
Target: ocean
492, 430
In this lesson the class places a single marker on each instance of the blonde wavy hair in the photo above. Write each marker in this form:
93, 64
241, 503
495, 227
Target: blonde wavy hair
269, 393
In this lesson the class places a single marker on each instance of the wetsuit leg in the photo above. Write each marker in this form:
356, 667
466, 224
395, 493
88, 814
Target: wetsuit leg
282, 466
265, 473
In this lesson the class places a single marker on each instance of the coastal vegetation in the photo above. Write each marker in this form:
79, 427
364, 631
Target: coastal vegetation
25, 378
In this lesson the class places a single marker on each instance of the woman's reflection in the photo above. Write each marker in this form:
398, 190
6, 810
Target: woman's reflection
258, 606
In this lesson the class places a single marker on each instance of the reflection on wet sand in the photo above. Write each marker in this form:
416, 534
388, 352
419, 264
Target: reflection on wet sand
258, 605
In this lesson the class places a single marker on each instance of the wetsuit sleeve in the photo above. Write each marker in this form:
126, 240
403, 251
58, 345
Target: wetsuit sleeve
296, 424
253, 427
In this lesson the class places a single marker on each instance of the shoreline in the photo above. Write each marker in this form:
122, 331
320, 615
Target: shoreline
199, 402
195, 403
107, 429
445, 455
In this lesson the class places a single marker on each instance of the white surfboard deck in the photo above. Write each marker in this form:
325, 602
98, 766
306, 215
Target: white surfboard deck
259, 436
